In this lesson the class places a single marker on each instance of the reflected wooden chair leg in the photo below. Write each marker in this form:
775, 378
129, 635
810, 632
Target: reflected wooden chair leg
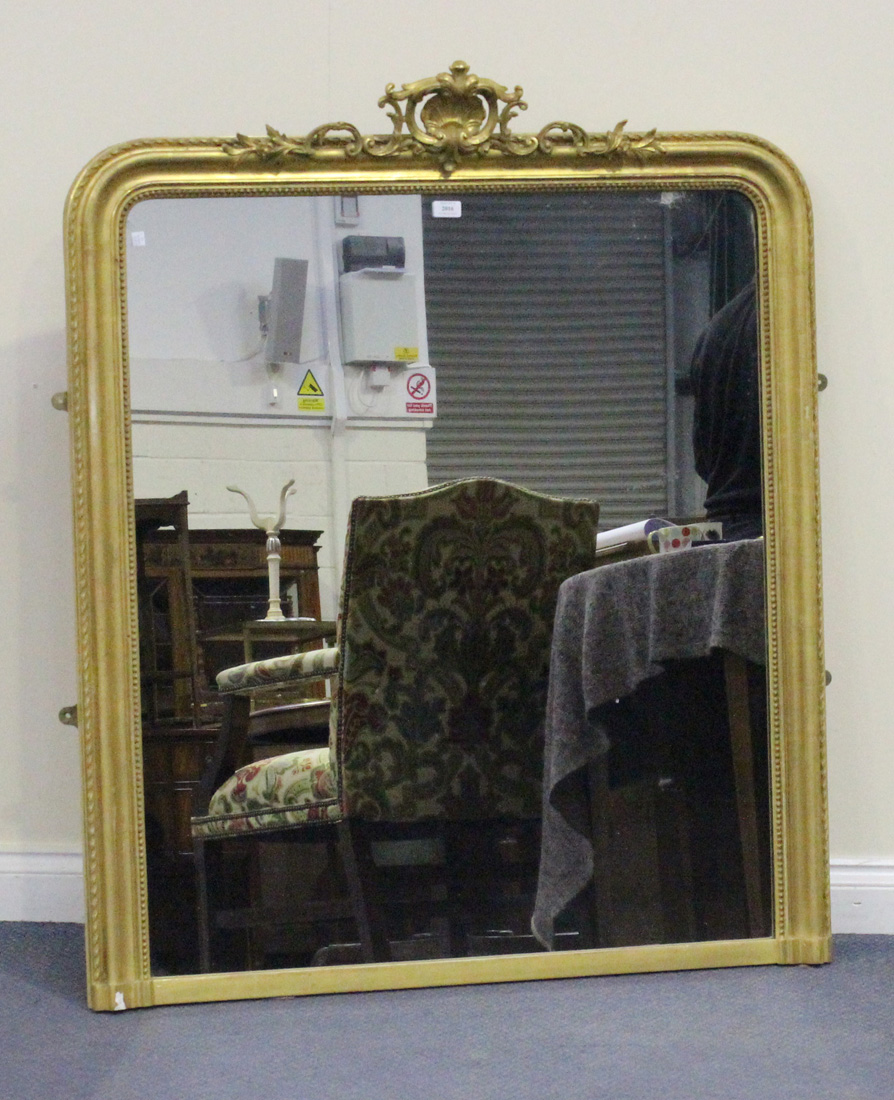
204, 932
223, 761
735, 672
360, 872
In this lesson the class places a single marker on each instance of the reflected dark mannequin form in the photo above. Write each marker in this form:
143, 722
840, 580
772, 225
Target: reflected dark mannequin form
726, 434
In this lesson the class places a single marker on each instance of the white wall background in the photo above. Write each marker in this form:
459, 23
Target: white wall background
815, 79
193, 285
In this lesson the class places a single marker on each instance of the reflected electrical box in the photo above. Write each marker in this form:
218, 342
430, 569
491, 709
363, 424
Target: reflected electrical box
378, 302
378, 317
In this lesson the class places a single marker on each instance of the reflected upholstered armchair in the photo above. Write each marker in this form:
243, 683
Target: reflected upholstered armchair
439, 681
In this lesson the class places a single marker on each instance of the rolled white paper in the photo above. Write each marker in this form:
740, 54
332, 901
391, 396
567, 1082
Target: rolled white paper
632, 532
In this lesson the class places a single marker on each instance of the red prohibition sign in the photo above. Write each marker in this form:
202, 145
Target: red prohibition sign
418, 387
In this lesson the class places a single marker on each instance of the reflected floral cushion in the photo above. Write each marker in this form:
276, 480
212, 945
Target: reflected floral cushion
316, 664
295, 789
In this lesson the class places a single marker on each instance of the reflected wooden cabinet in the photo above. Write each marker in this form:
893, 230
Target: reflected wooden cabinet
193, 612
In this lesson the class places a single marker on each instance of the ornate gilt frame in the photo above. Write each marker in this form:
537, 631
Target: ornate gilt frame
451, 132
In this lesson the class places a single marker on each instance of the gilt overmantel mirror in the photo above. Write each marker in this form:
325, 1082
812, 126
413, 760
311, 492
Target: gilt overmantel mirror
371, 315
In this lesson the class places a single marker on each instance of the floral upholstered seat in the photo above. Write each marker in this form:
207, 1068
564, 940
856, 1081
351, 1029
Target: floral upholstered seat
439, 671
295, 788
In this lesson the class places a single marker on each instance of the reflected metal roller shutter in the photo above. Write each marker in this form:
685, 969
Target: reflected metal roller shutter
547, 325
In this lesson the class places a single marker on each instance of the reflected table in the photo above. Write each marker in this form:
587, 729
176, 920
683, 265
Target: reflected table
617, 627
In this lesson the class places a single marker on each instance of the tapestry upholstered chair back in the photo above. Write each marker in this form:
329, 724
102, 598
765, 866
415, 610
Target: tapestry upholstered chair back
447, 610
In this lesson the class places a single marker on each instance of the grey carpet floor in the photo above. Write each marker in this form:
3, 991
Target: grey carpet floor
766, 1033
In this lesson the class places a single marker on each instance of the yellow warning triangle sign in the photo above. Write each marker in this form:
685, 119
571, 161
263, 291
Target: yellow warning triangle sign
310, 387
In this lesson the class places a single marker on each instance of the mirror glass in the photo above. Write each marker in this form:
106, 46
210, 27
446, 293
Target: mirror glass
383, 343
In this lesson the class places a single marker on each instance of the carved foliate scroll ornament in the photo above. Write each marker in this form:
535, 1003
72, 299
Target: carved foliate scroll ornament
450, 116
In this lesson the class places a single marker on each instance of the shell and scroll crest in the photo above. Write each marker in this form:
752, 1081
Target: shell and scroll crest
451, 116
